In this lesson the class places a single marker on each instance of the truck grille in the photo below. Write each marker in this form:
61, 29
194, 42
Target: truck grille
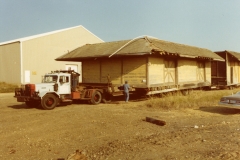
27, 90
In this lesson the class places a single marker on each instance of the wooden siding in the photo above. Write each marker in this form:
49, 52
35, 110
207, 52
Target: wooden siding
187, 71
91, 72
156, 68
200, 71
169, 71
134, 70
113, 69
208, 71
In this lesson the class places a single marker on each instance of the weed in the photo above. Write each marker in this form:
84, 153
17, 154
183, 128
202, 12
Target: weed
6, 87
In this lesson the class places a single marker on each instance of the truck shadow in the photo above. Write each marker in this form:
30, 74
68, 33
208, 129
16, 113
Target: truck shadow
220, 110
21, 106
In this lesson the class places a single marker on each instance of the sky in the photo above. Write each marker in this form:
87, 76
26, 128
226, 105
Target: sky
211, 24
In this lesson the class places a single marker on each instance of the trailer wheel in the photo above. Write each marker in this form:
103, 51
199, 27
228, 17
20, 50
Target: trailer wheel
107, 97
49, 101
96, 97
33, 103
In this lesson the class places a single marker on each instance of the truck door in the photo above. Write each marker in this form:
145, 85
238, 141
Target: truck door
64, 85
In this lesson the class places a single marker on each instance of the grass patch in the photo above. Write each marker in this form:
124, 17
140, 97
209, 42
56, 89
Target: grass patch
7, 88
196, 99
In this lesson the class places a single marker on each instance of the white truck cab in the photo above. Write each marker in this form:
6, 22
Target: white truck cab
55, 88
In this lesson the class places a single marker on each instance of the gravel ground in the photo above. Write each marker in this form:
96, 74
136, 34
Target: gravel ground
117, 131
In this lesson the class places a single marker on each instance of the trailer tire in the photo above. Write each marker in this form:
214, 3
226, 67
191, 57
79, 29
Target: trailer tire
32, 103
96, 98
49, 101
107, 98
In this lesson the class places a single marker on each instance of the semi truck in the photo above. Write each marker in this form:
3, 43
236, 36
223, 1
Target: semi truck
62, 87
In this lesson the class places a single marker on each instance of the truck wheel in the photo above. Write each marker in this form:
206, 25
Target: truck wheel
107, 97
96, 97
49, 101
32, 103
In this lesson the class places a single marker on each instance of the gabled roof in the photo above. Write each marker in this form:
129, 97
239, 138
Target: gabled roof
139, 46
45, 34
234, 54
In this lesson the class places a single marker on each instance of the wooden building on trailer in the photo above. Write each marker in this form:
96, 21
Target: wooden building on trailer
226, 74
148, 64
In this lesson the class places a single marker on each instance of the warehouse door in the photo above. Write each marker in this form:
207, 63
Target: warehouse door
201, 71
169, 71
75, 68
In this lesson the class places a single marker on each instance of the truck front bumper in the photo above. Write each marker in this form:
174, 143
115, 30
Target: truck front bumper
26, 98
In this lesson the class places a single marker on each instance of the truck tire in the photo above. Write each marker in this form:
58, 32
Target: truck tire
96, 98
49, 101
32, 103
107, 97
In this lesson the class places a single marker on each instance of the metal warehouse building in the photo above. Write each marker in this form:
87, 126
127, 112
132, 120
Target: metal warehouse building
27, 59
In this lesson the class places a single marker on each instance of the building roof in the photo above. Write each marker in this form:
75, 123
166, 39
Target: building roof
144, 45
44, 34
234, 54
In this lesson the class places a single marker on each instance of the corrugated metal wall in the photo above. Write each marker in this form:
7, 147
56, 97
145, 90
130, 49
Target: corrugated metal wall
39, 54
10, 63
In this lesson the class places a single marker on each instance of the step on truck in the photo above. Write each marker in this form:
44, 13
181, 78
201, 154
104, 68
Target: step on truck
62, 87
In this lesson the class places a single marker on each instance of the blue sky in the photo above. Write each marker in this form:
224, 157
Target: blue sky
212, 24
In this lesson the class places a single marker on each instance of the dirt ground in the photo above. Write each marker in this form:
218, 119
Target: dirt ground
117, 131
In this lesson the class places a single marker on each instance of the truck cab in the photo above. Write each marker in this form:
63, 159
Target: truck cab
56, 87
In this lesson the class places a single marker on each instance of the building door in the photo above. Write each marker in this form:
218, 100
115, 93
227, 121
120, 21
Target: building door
71, 67
169, 71
75, 68
201, 71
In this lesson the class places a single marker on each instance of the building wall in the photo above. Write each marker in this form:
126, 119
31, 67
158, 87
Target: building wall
91, 71
187, 70
112, 69
156, 70
148, 72
10, 63
232, 70
135, 70
208, 71
132, 70
39, 54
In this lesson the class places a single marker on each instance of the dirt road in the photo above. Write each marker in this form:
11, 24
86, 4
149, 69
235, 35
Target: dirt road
117, 131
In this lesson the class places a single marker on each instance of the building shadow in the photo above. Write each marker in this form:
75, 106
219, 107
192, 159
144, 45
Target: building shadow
219, 110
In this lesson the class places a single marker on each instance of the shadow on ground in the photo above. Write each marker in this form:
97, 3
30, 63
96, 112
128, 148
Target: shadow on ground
20, 106
220, 110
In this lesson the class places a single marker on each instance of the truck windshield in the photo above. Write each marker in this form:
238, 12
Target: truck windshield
50, 79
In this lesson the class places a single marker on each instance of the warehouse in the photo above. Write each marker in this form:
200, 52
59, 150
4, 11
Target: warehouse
27, 59
226, 74
147, 63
